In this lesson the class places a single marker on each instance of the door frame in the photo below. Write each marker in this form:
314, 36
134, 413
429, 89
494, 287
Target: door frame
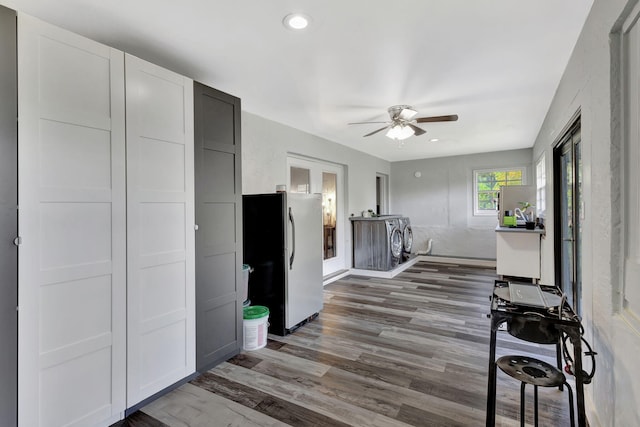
316, 167
558, 150
382, 191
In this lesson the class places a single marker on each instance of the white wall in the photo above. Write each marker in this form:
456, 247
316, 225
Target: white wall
440, 202
612, 398
266, 144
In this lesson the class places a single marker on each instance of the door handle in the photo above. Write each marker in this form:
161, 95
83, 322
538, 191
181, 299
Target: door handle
293, 239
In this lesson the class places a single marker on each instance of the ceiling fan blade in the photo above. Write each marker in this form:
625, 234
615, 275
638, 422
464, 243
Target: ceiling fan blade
407, 114
375, 131
364, 123
450, 118
416, 130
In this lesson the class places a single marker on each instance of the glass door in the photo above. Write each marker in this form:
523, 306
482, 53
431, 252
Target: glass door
569, 216
300, 180
329, 205
307, 176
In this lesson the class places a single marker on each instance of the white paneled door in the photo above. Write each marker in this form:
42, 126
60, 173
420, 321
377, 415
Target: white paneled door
160, 229
311, 176
72, 263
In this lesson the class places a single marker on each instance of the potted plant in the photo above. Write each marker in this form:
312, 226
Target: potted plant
528, 216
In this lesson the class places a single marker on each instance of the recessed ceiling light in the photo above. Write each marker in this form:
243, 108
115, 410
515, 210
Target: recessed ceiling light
296, 21
434, 140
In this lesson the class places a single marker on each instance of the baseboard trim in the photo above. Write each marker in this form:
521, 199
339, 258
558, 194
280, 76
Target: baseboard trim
161, 393
384, 274
407, 264
336, 276
457, 260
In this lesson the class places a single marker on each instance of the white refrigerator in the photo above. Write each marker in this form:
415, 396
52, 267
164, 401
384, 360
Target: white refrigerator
282, 243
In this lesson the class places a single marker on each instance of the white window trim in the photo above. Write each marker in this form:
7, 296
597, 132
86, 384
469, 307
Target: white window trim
485, 213
629, 301
541, 183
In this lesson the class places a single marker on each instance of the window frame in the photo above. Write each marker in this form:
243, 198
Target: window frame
541, 186
628, 59
488, 213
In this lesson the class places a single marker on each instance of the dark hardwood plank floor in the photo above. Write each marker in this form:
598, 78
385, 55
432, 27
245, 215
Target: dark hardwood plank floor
412, 350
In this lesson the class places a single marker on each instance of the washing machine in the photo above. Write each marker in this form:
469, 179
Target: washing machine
407, 237
377, 243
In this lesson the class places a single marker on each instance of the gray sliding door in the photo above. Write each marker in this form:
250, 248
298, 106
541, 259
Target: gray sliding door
218, 200
8, 219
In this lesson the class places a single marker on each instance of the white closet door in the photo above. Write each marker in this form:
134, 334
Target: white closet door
160, 224
72, 264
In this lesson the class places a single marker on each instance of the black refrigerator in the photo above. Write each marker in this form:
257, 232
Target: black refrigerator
282, 241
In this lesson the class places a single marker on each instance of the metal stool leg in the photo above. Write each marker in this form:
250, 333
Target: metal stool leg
571, 415
535, 405
559, 358
522, 404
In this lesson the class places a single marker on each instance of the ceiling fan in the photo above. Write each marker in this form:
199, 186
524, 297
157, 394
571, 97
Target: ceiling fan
403, 122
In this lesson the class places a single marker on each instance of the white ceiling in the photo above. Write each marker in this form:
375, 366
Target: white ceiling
495, 63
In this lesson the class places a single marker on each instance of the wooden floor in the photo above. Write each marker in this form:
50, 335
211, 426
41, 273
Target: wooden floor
412, 350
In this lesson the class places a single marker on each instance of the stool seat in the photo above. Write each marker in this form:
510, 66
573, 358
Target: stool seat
538, 373
531, 371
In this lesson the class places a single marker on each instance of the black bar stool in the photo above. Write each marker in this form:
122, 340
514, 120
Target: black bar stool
528, 370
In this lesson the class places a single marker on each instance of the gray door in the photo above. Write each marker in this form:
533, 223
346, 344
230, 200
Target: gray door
218, 199
8, 219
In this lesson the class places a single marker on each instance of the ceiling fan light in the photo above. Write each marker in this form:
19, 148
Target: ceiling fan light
296, 21
407, 114
393, 132
400, 132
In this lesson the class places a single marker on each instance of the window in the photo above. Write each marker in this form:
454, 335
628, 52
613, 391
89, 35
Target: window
487, 184
630, 176
541, 182
300, 180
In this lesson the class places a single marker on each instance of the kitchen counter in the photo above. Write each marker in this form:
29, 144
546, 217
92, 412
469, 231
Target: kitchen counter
518, 252
501, 229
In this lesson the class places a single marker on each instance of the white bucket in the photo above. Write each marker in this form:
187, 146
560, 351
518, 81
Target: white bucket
255, 327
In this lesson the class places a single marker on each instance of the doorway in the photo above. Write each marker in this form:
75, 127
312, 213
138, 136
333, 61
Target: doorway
382, 194
313, 176
569, 215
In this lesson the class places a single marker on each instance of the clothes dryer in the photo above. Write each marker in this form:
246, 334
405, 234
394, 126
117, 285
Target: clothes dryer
377, 243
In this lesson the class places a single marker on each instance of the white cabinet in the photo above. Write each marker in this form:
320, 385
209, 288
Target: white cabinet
160, 224
518, 252
72, 266
106, 266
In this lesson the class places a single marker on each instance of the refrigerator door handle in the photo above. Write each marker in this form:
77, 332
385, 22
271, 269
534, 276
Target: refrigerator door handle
293, 239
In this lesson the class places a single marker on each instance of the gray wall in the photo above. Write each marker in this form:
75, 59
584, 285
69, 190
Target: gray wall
266, 144
8, 219
440, 202
589, 85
